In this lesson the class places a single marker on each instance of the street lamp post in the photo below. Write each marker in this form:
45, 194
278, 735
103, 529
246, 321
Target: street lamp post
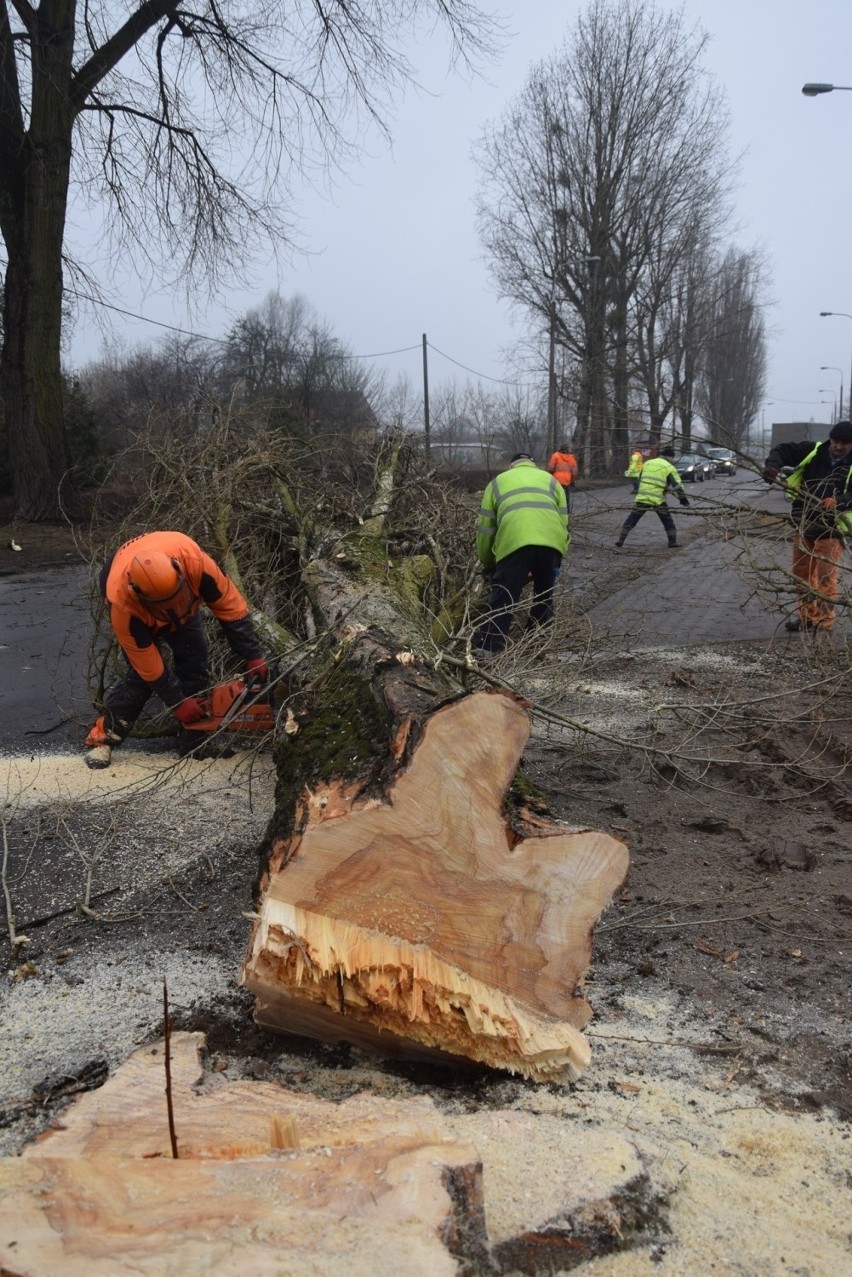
834, 368
844, 315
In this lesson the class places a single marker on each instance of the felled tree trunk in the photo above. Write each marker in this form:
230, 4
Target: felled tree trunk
407, 903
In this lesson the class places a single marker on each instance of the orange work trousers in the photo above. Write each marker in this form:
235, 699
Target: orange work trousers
816, 567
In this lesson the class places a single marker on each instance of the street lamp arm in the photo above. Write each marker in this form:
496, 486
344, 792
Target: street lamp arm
834, 368
845, 315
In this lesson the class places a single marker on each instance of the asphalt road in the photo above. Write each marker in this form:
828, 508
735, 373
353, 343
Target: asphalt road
44, 636
735, 542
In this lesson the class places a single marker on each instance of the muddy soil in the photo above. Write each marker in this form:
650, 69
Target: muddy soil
720, 976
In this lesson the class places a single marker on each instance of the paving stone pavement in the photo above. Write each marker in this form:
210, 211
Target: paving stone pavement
729, 581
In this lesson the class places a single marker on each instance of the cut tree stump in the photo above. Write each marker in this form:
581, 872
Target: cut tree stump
270, 1181
430, 920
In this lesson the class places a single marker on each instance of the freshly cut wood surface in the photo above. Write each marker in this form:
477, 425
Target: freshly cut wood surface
267, 1182
273, 1181
426, 920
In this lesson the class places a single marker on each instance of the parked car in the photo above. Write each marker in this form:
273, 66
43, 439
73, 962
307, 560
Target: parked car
691, 467
725, 459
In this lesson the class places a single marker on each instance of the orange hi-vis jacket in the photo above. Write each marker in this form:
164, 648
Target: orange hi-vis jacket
563, 466
137, 629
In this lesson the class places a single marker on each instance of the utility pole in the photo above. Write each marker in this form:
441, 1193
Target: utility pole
427, 439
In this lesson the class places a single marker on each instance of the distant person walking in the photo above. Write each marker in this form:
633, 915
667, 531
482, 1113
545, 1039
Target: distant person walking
564, 468
634, 469
658, 476
820, 489
522, 532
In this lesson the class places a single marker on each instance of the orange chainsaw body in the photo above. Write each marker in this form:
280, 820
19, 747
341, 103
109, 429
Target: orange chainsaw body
255, 715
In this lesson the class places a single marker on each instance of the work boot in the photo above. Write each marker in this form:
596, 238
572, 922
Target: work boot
620, 541
98, 757
99, 743
674, 544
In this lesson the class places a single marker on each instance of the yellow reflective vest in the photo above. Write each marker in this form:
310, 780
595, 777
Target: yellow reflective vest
522, 506
842, 518
657, 475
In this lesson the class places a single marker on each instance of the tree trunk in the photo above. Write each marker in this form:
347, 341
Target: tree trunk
621, 392
408, 900
32, 220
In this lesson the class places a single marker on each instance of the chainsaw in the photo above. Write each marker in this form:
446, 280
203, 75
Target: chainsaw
236, 707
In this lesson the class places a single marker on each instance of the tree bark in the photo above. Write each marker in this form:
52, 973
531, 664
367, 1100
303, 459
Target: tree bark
32, 220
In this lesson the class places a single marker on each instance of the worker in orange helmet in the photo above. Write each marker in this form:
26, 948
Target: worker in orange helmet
563, 466
154, 586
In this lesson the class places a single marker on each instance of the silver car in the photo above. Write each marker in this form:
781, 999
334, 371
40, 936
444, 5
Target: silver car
725, 459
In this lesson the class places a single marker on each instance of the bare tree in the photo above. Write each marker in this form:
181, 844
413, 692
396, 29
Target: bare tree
591, 176
282, 356
733, 372
127, 389
399, 406
188, 121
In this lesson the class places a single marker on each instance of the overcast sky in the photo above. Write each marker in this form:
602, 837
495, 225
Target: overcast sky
394, 252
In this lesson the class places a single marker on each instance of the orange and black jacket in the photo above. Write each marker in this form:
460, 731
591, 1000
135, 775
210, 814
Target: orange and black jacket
563, 466
138, 630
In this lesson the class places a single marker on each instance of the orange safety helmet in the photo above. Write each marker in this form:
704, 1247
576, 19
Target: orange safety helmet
158, 581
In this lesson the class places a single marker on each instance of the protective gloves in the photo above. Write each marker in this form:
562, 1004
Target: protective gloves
769, 474
190, 710
257, 670
684, 500
829, 503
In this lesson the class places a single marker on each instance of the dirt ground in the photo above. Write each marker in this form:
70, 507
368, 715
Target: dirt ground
720, 976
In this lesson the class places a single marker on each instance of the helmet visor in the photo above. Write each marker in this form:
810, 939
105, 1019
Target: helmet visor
177, 607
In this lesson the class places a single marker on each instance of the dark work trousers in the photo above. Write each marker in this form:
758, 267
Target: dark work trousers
662, 512
566, 488
125, 701
508, 579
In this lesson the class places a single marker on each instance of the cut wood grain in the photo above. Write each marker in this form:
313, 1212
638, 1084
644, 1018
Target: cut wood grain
371, 1189
423, 923
272, 1181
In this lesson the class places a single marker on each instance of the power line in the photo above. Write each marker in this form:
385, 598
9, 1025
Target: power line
221, 341
158, 323
501, 381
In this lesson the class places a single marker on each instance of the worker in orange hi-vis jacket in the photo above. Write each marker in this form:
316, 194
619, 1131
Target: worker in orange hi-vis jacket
563, 466
154, 586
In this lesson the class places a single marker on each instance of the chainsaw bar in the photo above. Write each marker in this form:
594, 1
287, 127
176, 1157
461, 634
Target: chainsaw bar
236, 707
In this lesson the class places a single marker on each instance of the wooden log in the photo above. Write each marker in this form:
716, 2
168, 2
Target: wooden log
425, 921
